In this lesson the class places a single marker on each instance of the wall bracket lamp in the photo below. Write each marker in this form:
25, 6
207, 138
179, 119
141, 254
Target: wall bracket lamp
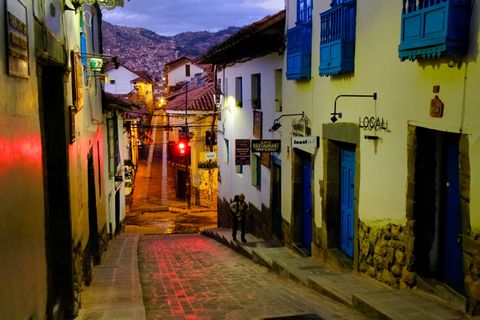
334, 114
276, 123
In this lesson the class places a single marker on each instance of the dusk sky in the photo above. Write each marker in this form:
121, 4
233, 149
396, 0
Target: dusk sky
170, 17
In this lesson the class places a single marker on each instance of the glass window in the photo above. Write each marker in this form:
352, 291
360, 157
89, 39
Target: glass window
238, 92
256, 91
278, 90
304, 11
256, 171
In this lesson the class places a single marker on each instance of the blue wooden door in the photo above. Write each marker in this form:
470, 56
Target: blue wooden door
347, 188
452, 228
307, 204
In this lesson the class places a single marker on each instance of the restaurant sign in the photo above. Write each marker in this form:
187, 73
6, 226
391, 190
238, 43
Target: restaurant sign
266, 145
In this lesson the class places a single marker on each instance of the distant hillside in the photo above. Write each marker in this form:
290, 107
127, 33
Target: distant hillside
142, 49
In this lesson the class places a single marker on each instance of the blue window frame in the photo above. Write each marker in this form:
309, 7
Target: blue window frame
337, 38
432, 28
304, 11
299, 43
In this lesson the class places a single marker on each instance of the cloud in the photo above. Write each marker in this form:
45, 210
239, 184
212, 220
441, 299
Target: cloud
120, 17
265, 4
172, 17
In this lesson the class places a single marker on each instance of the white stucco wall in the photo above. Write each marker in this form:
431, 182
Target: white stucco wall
404, 92
123, 78
237, 123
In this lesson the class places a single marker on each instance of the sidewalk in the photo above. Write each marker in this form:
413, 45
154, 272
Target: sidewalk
115, 292
364, 294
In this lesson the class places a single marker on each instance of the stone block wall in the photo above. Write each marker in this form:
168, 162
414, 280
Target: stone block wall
223, 213
386, 254
471, 249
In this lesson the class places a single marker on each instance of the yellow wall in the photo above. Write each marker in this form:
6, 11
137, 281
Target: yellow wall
404, 93
22, 238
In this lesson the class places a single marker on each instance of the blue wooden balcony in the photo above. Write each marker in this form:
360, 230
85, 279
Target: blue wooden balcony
337, 38
299, 52
432, 28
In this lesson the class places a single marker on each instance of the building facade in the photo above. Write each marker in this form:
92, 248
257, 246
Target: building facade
250, 79
192, 121
389, 189
54, 180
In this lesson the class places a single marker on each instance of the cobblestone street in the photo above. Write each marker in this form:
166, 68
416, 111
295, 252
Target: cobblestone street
194, 277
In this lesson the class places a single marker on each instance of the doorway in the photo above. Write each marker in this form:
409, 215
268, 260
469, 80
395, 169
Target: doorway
276, 202
302, 202
92, 212
347, 191
438, 227
58, 226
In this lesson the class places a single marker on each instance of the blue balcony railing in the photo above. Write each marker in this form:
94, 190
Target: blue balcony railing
299, 52
431, 28
337, 38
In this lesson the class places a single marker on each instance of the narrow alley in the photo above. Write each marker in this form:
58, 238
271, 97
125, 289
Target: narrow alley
153, 206
258, 160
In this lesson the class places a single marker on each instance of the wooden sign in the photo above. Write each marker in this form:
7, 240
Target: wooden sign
242, 152
266, 145
436, 107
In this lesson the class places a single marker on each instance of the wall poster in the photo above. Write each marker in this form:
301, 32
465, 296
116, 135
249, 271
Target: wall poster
77, 81
17, 39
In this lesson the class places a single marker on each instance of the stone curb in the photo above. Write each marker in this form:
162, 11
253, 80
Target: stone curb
354, 290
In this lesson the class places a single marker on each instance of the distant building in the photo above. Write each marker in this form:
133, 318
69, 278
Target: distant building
119, 81
180, 70
192, 116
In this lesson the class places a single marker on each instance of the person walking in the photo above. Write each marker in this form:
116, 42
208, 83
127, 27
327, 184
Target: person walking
239, 214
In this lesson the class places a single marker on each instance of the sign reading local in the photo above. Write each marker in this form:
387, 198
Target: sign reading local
300, 142
242, 152
266, 145
373, 124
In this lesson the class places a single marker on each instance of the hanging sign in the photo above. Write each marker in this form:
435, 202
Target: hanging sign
242, 152
436, 107
308, 144
210, 155
266, 145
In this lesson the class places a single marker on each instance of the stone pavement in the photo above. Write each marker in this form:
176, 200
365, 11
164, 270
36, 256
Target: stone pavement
194, 277
115, 292
372, 298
